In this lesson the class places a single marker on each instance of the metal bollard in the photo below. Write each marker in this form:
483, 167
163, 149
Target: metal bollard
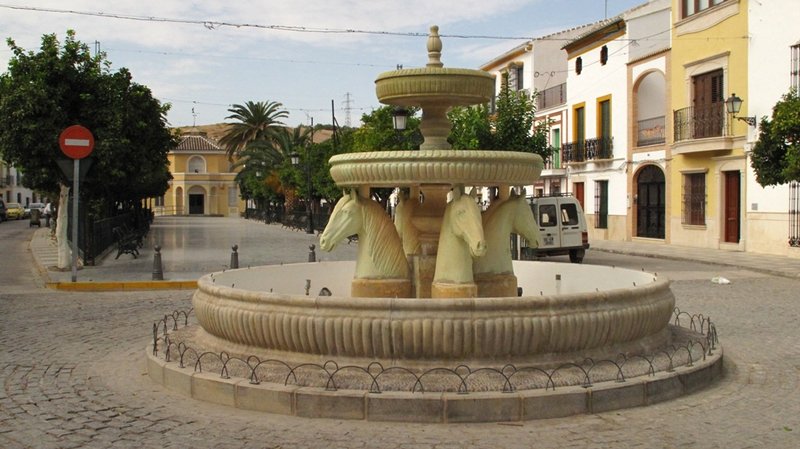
235, 257
312, 256
158, 271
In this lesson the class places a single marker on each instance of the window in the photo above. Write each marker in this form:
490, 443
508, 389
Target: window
603, 55
518, 72
579, 65
708, 116
601, 204
569, 214
547, 215
233, 196
160, 201
555, 144
604, 129
694, 199
690, 7
196, 164
794, 73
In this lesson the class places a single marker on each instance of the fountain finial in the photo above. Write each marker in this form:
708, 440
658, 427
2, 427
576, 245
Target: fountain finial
434, 48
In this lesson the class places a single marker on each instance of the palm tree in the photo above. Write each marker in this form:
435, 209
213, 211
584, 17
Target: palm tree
255, 121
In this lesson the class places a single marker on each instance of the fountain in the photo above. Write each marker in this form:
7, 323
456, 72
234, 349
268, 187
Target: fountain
435, 287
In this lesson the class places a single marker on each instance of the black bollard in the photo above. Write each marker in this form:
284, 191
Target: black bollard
312, 256
235, 257
158, 271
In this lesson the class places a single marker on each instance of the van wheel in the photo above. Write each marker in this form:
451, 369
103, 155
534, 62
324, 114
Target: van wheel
576, 255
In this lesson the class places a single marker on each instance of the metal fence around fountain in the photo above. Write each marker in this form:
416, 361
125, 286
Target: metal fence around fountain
462, 378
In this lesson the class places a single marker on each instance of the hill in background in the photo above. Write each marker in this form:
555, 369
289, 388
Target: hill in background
217, 130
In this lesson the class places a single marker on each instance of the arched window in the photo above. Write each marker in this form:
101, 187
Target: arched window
196, 164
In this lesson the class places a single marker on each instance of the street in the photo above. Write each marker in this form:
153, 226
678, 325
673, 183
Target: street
73, 375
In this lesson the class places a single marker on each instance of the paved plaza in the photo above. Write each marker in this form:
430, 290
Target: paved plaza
73, 362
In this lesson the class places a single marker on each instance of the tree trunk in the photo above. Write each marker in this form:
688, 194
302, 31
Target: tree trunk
64, 254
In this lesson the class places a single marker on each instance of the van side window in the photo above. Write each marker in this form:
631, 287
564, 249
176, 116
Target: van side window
547, 215
569, 214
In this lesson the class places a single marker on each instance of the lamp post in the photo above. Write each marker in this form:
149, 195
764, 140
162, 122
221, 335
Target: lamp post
307, 166
400, 119
733, 105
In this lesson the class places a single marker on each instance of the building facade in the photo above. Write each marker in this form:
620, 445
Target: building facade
203, 182
12, 189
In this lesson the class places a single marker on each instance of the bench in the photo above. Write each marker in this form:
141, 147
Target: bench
127, 243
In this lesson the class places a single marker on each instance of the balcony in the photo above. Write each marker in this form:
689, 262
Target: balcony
601, 148
6, 181
551, 97
701, 123
650, 131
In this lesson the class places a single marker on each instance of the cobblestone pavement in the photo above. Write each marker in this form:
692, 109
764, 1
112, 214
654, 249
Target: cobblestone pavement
73, 376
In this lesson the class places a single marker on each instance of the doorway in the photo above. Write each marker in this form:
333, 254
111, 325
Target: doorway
650, 198
732, 206
196, 204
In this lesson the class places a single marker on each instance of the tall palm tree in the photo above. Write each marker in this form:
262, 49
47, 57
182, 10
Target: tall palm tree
255, 121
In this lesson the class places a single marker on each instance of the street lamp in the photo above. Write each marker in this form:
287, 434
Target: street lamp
295, 157
400, 118
733, 105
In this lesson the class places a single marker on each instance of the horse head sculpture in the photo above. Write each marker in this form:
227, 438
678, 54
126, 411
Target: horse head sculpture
460, 239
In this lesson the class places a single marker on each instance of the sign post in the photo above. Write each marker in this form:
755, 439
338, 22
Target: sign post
76, 142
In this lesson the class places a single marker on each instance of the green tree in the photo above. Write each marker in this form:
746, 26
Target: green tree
511, 128
254, 121
63, 84
256, 176
377, 132
776, 154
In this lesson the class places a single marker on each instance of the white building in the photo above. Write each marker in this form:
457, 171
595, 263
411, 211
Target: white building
772, 214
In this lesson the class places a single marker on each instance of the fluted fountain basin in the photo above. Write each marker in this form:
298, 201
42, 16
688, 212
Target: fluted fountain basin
593, 311
409, 168
434, 85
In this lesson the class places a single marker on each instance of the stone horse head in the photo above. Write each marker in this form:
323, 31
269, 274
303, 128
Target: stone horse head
512, 215
380, 252
460, 239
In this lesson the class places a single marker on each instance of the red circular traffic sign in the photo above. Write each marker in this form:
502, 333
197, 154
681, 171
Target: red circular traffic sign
76, 142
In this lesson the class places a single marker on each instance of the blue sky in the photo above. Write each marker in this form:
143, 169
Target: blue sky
206, 67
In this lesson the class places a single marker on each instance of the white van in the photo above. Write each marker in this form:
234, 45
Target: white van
562, 228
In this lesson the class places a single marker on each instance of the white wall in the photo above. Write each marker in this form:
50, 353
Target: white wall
773, 28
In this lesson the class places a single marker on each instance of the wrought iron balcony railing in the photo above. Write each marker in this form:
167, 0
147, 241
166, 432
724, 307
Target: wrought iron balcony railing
701, 123
650, 131
552, 96
589, 150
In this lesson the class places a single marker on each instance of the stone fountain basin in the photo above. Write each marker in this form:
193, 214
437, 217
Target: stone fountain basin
594, 311
410, 168
433, 86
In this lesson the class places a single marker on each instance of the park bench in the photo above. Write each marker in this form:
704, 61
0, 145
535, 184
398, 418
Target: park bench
127, 243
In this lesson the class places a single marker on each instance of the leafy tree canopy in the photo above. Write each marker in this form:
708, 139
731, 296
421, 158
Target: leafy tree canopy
62, 85
776, 154
254, 120
511, 128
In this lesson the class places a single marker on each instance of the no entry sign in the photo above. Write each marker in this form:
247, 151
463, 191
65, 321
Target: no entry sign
76, 142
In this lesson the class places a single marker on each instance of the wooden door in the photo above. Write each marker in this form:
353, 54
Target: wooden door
732, 206
577, 190
709, 105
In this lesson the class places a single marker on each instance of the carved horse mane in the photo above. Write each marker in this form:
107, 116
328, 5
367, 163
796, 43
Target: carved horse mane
460, 239
380, 252
512, 215
409, 234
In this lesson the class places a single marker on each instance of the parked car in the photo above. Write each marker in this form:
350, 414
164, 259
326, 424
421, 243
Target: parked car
2, 211
562, 228
32, 206
14, 211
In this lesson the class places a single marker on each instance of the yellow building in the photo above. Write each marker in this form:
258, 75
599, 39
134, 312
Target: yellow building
709, 63
203, 180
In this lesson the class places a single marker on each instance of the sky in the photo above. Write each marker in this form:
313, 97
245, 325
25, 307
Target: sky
203, 56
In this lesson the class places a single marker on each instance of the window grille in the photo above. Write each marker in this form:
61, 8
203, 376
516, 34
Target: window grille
694, 199
794, 214
601, 204
794, 74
